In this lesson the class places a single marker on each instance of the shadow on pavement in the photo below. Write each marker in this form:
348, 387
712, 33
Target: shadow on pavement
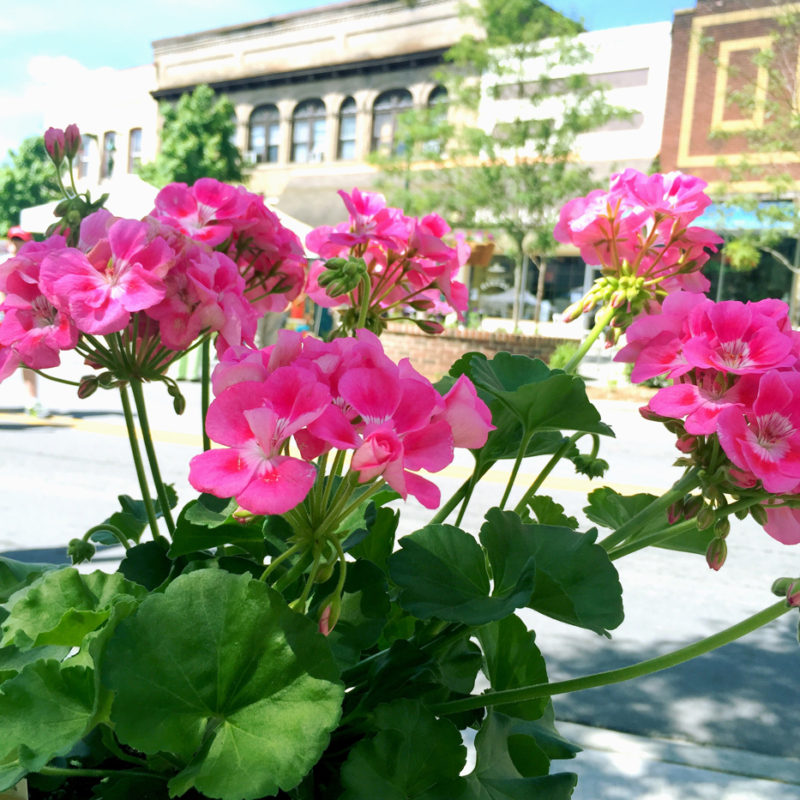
744, 695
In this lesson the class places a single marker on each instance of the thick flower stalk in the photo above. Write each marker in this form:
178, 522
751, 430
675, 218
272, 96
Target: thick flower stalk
640, 233
381, 264
732, 403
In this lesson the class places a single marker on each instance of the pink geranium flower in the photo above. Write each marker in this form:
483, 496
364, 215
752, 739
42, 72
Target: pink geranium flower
765, 439
119, 275
254, 421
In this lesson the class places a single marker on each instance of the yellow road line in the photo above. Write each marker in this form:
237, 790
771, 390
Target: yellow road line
497, 476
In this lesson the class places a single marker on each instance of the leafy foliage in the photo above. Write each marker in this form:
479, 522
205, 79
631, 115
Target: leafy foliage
26, 179
196, 141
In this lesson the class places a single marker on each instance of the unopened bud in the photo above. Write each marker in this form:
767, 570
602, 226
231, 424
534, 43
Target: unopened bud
429, 326
72, 141
716, 553
759, 514
54, 143
618, 299
88, 386
242, 515
79, 551
705, 517
331, 610
691, 505
722, 527
686, 443
675, 512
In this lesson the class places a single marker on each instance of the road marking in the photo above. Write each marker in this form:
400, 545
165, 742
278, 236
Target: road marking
456, 471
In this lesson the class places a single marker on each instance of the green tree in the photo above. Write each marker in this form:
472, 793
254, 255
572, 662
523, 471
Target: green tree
196, 141
514, 177
26, 180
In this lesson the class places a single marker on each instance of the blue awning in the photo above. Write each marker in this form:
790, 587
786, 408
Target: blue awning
767, 215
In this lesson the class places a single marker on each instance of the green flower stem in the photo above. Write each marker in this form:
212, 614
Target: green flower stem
655, 538
667, 533
113, 530
295, 548
67, 772
364, 304
141, 410
342, 514
53, 378
604, 316
546, 470
137, 461
706, 645
293, 574
444, 512
526, 437
679, 489
205, 395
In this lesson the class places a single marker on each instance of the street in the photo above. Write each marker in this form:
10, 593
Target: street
61, 476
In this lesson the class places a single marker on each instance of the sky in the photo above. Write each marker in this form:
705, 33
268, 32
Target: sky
46, 46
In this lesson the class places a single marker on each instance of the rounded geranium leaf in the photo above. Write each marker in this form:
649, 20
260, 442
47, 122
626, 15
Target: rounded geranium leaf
210, 670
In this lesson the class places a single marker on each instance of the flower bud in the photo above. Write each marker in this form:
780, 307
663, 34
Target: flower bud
686, 443
79, 550
54, 143
691, 505
72, 141
242, 516
331, 610
716, 553
722, 527
793, 594
705, 517
675, 512
759, 514
88, 386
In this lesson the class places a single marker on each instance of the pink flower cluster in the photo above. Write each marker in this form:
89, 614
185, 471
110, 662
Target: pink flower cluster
642, 225
735, 369
120, 269
238, 223
345, 395
408, 262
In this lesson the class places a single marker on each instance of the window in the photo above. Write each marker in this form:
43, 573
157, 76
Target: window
265, 134
437, 115
84, 156
438, 99
387, 108
347, 130
308, 131
134, 149
109, 148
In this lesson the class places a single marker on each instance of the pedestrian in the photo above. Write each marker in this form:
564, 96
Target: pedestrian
17, 237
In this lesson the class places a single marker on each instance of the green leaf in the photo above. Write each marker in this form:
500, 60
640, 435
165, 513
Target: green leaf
378, 544
209, 671
125, 787
16, 575
512, 659
364, 609
542, 399
612, 509
209, 511
414, 756
442, 573
189, 537
548, 512
46, 710
146, 564
61, 607
12, 659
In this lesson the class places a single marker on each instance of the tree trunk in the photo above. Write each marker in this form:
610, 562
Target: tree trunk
518, 287
542, 266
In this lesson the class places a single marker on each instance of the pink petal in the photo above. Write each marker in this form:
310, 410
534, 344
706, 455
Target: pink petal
278, 486
223, 473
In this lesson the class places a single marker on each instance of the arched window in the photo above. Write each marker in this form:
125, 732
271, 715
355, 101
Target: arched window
109, 148
387, 108
265, 134
438, 99
308, 131
347, 130
134, 149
